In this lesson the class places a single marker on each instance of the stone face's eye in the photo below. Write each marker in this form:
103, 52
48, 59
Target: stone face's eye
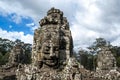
47, 48
55, 48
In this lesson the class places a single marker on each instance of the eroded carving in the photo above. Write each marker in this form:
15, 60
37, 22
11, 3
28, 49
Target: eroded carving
52, 50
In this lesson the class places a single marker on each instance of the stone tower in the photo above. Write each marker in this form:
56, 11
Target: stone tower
16, 54
53, 39
106, 60
52, 52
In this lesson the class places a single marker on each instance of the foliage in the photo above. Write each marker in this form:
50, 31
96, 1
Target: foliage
118, 61
6, 47
4, 58
86, 59
116, 52
27, 55
98, 44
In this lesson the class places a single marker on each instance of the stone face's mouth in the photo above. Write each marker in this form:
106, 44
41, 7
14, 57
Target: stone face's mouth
51, 62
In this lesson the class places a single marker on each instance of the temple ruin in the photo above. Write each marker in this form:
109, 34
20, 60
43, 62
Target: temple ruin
52, 56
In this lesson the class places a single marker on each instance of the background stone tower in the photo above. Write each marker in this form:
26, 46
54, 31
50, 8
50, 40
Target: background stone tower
106, 60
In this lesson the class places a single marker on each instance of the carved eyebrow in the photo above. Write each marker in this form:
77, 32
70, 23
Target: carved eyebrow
47, 47
46, 52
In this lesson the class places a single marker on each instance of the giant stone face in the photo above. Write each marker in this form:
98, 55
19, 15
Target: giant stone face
52, 41
50, 53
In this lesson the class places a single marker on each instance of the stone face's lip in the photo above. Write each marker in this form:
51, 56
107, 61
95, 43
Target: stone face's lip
51, 59
56, 59
50, 62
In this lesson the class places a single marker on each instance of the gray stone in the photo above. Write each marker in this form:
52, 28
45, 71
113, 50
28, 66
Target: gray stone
106, 60
52, 51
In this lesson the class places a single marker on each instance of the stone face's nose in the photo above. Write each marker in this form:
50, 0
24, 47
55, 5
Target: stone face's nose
51, 50
52, 54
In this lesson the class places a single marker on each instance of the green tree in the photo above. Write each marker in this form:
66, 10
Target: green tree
116, 52
4, 58
98, 44
118, 61
85, 59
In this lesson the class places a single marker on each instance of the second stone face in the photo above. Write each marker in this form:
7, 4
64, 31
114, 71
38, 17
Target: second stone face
106, 60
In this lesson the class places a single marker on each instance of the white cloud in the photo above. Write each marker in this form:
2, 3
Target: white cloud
16, 35
89, 19
116, 42
95, 21
32, 26
10, 26
17, 19
26, 8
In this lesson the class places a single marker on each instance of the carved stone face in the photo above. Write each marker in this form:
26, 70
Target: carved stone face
50, 54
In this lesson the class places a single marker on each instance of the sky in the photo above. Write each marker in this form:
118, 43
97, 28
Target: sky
88, 19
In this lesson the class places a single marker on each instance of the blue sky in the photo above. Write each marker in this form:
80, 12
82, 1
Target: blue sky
6, 23
89, 19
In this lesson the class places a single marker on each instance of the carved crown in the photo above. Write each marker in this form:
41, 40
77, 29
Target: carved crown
53, 10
